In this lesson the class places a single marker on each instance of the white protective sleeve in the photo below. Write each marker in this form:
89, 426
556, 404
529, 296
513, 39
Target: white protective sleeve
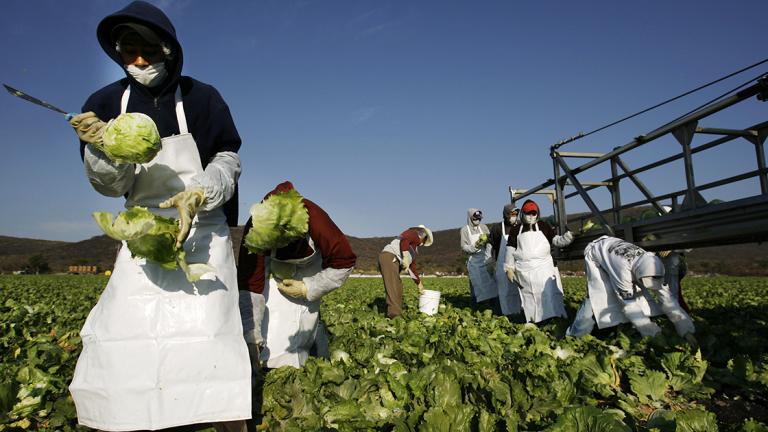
672, 309
634, 313
107, 177
252, 307
219, 179
466, 245
488, 252
563, 240
509, 260
325, 281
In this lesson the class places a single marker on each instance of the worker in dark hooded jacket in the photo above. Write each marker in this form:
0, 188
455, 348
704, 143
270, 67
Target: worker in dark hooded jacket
509, 294
160, 351
529, 263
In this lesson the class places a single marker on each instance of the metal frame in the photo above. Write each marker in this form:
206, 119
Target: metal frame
691, 223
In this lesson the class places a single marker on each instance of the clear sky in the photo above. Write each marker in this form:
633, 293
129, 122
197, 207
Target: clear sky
386, 113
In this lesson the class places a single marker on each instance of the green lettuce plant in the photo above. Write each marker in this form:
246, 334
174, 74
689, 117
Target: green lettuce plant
131, 138
277, 221
152, 237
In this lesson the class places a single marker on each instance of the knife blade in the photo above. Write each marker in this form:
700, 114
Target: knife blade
34, 100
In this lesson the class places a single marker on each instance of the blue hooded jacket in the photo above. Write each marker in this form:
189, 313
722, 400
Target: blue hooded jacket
208, 117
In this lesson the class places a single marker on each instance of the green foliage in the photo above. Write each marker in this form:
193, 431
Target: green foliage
152, 237
462, 369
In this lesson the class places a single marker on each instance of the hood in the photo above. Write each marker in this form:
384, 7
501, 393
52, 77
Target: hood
470, 212
508, 210
143, 13
530, 205
647, 265
285, 186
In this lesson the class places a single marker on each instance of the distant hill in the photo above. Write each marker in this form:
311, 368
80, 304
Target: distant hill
443, 256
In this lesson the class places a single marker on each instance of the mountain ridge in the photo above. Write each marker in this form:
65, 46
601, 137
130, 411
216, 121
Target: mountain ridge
444, 256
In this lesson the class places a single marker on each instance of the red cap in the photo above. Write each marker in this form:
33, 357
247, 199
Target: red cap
530, 207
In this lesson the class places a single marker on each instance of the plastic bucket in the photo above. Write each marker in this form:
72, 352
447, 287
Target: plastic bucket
429, 301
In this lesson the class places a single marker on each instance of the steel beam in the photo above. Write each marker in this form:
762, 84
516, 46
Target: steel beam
580, 154
732, 132
615, 192
759, 142
595, 211
684, 135
640, 185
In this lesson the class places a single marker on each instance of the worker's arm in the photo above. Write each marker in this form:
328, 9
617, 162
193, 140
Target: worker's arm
107, 177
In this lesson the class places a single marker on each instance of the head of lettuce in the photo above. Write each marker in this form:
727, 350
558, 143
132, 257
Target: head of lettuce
279, 220
131, 138
152, 237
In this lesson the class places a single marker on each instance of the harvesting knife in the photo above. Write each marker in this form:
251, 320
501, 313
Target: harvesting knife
34, 100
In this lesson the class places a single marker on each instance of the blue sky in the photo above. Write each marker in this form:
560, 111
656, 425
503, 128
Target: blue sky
387, 113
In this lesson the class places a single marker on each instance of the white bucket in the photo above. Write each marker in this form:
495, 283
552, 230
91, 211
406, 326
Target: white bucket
429, 301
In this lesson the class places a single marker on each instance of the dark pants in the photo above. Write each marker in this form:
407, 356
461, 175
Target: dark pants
393, 286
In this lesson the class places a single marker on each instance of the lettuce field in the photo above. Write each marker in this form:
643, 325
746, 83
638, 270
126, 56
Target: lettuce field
461, 370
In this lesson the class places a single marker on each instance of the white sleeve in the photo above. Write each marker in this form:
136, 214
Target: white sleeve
325, 281
509, 260
107, 177
219, 179
467, 246
252, 307
563, 240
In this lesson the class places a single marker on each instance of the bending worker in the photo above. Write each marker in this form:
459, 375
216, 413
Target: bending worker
292, 254
529, 263
158, 350
620, 279
509, 294
399, 255
474, 243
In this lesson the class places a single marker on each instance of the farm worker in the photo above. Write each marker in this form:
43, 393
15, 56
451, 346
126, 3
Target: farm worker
620, 279
474, 243
159, 351
529, 263
399, 255
292, 269
509, 294
675, 268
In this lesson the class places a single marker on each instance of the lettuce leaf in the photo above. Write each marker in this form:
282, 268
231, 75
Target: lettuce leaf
152, 237
277, 222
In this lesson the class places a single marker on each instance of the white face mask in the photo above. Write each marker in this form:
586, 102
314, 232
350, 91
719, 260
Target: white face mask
149, 76
530, 219
475, 222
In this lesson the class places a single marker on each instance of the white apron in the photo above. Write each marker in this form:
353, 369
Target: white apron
509, 293
482, 281
537, 276
290, 325
159, 351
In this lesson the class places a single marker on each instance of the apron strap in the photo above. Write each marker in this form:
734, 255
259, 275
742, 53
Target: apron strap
124, 99
181, 117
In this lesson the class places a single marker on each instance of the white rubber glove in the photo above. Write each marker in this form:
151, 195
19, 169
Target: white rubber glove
511, 274
187, 203
406, 261
421, 287
293, 288
89, 128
